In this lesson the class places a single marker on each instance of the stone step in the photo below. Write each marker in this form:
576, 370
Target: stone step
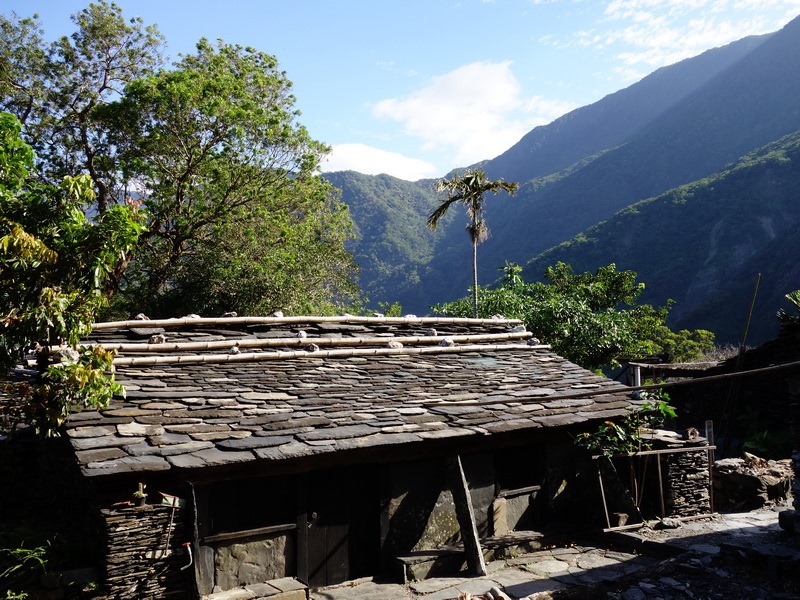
286, 588
448, 560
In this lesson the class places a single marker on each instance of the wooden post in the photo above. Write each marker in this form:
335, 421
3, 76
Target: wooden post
466, 517
203, 555
301, 504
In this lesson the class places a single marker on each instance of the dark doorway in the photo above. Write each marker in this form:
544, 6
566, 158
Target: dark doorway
342, 525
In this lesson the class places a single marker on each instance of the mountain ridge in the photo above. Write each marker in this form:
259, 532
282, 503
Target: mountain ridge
583, 169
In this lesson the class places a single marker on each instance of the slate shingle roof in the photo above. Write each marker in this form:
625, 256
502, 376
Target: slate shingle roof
227, 391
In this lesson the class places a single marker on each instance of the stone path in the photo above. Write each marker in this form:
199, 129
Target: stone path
744, 555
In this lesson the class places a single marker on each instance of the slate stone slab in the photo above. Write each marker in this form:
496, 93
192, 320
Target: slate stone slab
336, 433
128, 464
214, 456
145, 332
255, 442
560, 420
129, 412
377, 439
137, 429
99, 455
167, 439
220, 435
106, 441
92, 431
185, 448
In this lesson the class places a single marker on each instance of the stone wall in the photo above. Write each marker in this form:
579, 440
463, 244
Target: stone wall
419, 513
245, 562
687, 482
145, 553
685, 477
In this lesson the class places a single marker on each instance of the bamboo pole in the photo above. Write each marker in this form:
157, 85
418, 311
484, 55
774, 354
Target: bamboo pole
295, 341
290, 354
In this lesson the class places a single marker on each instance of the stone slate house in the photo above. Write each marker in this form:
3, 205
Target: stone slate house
315, 449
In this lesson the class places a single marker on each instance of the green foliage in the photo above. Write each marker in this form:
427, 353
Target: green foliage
590, 319
790, 319
731, 225
55, 264
392, 309
55, 89
210, 148
24, 557
78, 381
625, 436
762, 439
239, 219
392, 244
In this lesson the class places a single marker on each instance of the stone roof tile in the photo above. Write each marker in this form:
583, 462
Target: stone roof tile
191, 404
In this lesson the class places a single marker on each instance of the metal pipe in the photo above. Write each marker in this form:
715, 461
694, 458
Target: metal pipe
188, 546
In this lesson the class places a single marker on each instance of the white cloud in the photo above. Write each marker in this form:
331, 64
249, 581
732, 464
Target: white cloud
470, 114
373, 161
653, 33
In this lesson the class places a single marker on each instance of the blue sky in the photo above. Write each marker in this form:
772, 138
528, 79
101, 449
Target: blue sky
414, 88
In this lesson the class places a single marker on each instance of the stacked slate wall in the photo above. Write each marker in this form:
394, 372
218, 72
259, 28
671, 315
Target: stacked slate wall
685, 478
687, 482
145, 553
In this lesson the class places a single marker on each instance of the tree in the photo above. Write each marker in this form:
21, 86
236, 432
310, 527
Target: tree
264, 260
590, 319
54, 270
230, 182
211, 150
56, 90
468, 189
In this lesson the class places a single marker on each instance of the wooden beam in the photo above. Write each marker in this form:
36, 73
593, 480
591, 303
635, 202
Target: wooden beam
466, 517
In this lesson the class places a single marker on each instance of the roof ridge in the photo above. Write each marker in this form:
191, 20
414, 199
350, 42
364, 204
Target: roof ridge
144, 323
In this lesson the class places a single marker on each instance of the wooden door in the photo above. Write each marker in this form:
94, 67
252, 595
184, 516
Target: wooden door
342, 525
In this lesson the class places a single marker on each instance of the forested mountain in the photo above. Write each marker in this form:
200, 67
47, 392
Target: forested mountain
681, 124
394, 246
703, 244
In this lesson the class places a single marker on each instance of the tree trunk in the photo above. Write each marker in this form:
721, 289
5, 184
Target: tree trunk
475, 278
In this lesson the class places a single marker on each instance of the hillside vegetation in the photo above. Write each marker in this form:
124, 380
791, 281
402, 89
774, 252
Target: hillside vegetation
683, 125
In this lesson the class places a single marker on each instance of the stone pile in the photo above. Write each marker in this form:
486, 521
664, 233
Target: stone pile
684, 474
688, 484
145, 553
751, 482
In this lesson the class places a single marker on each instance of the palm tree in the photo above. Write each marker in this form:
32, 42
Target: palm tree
469, 190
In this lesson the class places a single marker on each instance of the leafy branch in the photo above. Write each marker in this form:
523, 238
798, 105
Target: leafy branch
625, 436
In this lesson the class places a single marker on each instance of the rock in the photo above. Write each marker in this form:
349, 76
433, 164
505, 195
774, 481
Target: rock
669, 523
789, 521
497, 594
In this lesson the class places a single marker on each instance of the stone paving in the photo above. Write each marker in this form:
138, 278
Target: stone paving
629, 566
